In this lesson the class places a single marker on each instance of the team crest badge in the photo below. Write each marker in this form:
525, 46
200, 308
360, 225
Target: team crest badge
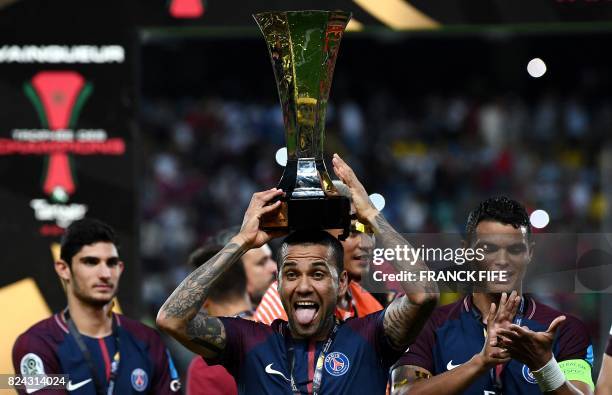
336, 364
139, 379
528, 376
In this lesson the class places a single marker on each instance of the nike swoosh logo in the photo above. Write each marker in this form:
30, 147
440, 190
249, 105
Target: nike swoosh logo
269, 370
72, 387
450, 366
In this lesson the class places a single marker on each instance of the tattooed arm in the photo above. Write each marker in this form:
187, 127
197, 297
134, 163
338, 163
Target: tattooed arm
405, 316
180, 316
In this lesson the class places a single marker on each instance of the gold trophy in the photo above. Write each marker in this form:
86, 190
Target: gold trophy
303, 46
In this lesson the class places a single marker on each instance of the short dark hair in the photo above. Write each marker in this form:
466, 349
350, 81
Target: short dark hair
499, 209
84, 232
317, 237
231, 284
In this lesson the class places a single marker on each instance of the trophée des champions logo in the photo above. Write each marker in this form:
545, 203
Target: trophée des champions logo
58, 97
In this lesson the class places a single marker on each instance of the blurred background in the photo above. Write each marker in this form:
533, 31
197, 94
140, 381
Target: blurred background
435, 106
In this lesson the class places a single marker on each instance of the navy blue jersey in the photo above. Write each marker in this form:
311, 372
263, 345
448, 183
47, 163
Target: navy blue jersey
358, 360
455, 333
145, 365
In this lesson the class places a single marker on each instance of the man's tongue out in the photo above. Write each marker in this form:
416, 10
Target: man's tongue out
305, 315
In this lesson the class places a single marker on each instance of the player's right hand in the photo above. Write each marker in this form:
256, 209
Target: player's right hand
505, 313
250, 234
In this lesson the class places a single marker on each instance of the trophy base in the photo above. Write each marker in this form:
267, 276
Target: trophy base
331, 212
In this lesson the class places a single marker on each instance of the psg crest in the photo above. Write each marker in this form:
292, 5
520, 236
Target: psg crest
336, 364
139, 379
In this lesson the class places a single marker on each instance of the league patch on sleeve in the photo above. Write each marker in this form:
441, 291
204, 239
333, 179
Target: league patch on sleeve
31, 364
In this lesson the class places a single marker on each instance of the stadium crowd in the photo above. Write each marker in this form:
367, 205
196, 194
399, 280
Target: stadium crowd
430, 165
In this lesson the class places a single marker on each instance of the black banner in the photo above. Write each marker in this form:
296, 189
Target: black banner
67, 140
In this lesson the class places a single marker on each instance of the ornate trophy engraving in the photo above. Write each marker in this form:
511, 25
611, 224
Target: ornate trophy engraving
303, 46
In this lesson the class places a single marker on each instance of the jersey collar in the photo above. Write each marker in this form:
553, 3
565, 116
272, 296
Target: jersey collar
60, 319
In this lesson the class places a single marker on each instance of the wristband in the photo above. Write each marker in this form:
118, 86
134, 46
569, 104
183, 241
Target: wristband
550, 376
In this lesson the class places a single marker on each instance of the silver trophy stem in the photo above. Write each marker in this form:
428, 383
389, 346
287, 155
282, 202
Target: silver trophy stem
308, 181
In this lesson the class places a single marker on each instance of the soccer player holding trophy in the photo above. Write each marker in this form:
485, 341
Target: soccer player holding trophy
313, 352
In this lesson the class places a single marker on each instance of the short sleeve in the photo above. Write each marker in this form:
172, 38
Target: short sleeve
574, 352
371, 328
33, 355
420, 353
387, 352
574, 342
241, 335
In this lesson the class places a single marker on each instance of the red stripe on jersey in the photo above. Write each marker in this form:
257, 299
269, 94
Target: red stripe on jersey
311, 352
107, 365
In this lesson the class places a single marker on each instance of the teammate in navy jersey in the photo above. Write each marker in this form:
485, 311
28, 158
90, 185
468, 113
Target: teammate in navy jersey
604, 382
312, 353
522, 347
101, 352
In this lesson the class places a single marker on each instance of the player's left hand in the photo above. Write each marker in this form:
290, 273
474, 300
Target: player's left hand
534, 349
364, 209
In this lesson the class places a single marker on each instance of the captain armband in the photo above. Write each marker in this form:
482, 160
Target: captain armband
577, 370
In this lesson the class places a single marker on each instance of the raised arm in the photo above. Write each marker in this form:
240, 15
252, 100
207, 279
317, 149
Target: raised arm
180, 315
405, 317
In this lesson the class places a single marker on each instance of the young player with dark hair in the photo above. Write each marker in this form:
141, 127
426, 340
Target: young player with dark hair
101, 352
